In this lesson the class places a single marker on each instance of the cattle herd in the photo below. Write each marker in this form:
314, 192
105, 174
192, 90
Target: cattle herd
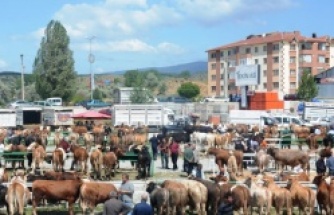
260, 192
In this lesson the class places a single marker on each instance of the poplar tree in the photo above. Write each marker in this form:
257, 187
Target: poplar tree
54, 64
307, 87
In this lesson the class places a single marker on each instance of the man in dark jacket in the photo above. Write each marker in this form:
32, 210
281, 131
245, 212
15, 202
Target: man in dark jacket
226, 208
154, 143
113, 206
321, 166
143, 208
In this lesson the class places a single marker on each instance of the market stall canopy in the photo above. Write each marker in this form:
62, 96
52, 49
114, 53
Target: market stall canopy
91, 115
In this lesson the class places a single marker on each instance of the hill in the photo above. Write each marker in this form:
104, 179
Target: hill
193, 67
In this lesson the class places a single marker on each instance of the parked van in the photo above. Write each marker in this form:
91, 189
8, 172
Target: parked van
287, 120
55, 101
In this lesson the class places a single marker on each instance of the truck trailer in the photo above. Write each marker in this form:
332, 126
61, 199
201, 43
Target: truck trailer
141, 115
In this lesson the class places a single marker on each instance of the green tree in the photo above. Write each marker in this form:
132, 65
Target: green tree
151, 81
133, 78
97, 94
54, 65
140, 96
162, 89
307, 87
188, 90
185, 74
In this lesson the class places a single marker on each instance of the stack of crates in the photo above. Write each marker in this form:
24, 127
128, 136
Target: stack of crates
265, 101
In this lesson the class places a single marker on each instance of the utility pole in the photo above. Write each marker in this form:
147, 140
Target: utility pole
22, 77
91, 59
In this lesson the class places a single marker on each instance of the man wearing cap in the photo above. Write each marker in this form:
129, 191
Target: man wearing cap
113, 206
143, 208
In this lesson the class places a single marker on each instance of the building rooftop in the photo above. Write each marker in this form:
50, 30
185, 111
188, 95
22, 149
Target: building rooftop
273, 37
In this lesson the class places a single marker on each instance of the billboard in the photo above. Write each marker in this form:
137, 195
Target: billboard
247, 75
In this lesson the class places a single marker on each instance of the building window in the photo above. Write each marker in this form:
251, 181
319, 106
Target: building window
276, 59
264, 85
213, 88
229, 52
276, 47
213, 77
265, 73
256, 50
327, 60
264, 60
221, 76
276, 72
221, 89
231, 75
292, 72
293, 85
243, 61
292, 59
248, 50
213, 66
322, 46
221, 65
264, 48
231, 63
306, 46
276, 85
221, 53
321, 59
293, 47
256, 61
213, 55
306, 58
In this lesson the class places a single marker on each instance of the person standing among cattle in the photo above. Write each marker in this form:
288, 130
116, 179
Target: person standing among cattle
154, 144
232, 166
143, 208
188, 156
321, 166
126, 191
113, 206
174, 150
330, 164
164, 152
226, 207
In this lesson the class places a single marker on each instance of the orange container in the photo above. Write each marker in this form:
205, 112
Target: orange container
214, 119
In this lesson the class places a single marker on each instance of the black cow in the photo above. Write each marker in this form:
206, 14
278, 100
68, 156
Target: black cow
3, 193
144, 163
159, 198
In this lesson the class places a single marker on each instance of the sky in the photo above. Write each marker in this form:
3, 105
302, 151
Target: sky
134, 34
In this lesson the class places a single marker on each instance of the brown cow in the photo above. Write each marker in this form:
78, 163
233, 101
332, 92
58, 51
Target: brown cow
262, 160
198, 196
52, 175
67, 190
58, 159
109, 163
222, 156
4, 177
240, 193
17, 195
281, 197
88, 139
96, 161
323, 193
93, 193
159, 198
291, 157
302, 197
80, 156
38, 155
178, 196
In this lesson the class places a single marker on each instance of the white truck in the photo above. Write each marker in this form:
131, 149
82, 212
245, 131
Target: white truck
7, 118
60, 116
141, 114
250, 117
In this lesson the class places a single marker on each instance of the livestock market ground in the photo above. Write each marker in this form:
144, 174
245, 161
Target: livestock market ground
125, 166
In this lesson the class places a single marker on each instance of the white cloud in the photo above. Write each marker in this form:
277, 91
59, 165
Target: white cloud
3, 64
216, 11
166, 47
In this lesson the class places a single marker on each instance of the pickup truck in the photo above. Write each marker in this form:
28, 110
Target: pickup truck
96, 104
323, 121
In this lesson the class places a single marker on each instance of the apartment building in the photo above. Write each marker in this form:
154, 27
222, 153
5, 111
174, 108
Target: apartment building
282, 57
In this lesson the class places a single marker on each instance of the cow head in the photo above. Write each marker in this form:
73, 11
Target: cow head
151, 186
20, 174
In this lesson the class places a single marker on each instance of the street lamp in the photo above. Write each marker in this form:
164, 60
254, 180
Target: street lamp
91, 59
22, 77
